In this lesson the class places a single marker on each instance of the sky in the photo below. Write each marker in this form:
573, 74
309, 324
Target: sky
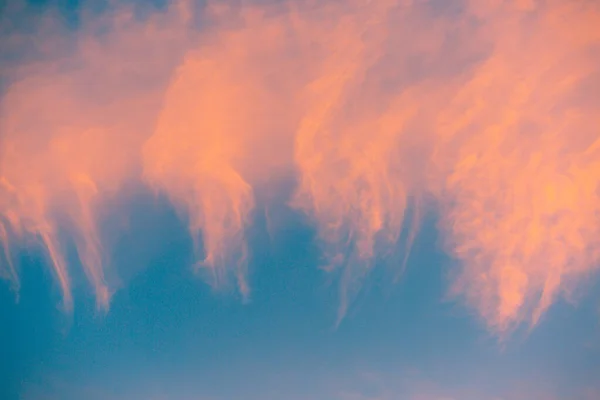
300, 199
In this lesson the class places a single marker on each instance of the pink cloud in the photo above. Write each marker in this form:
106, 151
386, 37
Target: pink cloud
379, 107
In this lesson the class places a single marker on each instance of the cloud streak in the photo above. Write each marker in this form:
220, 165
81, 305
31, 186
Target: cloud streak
520, 200
380, 108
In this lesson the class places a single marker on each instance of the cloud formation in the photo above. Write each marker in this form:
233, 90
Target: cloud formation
72, 123
381, 108
520, 201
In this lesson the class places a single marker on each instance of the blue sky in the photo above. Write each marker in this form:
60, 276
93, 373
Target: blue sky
167, 336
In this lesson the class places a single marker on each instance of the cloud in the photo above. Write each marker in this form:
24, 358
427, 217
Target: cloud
519, 200
382, 109
505, 127
350, 146
217, 133
412, 384
72, 123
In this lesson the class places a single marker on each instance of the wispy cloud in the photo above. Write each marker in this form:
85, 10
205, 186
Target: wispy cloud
459, 108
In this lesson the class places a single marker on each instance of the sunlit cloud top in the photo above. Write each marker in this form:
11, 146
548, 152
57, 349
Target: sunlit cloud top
483, 114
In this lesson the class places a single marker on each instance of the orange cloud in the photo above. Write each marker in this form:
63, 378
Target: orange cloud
221, 129
379, 107
361, 146
520, 202
192, 157
509, 143
71, 128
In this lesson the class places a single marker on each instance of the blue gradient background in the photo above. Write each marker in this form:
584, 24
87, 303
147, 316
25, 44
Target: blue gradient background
168, 336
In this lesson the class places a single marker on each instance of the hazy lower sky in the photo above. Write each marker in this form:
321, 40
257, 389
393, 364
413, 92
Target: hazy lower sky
336, 200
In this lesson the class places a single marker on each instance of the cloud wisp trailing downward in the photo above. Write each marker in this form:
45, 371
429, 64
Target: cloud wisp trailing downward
520, 198
381, 108
72, 124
